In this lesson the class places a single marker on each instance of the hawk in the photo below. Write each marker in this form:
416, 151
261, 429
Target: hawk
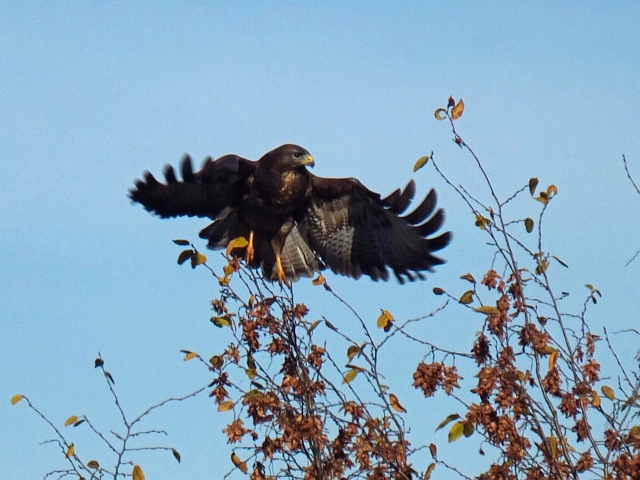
297, 223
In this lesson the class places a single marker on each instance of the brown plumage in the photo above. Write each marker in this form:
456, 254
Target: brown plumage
303, 220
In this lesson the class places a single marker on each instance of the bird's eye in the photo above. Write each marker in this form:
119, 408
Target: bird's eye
297, 154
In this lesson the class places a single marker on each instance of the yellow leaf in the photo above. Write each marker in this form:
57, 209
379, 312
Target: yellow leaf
427, 474
395, 404
224, 281
318, 281
16, 398
93, 464
533, 183
350, 375
228, 270
198, 259
446, 421
221, 322
488, 310
70, 421
608, 392
468, 277
70, 451
547, 350
467, 297
456, 432
456, 111
190, 356
481, 222
421, 162
384, 320
225, 406
251, 373
552, 190
552, 359
239, 463
137, 474
553, 446
239, 242
528, 224
352, 351
595, 399
313, 326
440, 114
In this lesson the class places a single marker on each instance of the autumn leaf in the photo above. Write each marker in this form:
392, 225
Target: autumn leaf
182, 243
385, 320
198, 259
221, 322
137, 474
440, 114
251, 373
239, 242
467, 297
481, 222
225, 406
528, 224
608, 392
395, 404
239, 463
456, 432
421, 162
16, 398
350, 375
595, 399
92, 463
176, 454
352, 351
71, 420
70, 451
319, 280
533, 183
488, 310
468, 429
216, 361
190, 356
468, 277
184, 256
446, 421
552, 359
438, 291
98, 363
456, 112
433, 449
430, 468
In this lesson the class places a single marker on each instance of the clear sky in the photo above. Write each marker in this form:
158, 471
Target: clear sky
94, 93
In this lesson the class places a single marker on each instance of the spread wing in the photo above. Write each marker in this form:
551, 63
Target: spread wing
219, 184
356, 232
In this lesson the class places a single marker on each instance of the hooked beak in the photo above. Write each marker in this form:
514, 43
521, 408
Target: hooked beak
307, 160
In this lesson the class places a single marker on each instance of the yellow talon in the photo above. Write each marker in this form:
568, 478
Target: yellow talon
280, 275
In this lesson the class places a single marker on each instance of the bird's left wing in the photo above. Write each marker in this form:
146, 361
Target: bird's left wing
356, 232
219, 184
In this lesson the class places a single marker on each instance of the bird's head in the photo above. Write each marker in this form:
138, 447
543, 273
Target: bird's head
287, 156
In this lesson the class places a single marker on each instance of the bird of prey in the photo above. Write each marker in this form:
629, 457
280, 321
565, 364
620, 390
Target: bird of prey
297, 223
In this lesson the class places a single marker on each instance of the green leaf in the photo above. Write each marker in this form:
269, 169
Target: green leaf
446, 421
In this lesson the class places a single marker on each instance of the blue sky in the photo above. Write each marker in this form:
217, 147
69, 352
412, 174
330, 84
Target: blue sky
94, 93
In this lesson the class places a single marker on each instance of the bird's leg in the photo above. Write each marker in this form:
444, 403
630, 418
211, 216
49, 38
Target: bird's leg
280, 274
250, 253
